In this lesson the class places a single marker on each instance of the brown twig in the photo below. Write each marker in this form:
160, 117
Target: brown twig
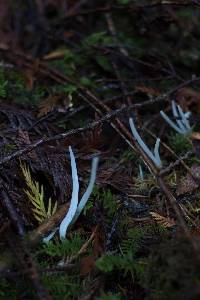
50, 224
180, 160
69, 133
84, 247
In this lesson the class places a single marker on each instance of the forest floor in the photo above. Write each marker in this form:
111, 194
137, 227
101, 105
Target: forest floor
87, 79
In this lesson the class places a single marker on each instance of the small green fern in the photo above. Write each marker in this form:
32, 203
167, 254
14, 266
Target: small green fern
67, 247
35, 194
109, 200
132, 242
127, 262
110, 262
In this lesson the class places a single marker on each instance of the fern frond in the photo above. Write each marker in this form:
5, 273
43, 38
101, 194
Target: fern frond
51, 209
133, 241
35, 194
163, 221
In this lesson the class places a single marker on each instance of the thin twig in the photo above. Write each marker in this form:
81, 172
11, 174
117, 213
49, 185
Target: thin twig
179, 161
47, 226
71, 132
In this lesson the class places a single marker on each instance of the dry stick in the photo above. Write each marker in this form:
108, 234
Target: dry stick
122, 130
179, 161
69, 133
112, 123
35, 236
183, 84
84, 247
50, 224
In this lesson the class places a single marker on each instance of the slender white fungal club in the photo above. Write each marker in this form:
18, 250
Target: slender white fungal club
182, 124
154, 156
74, 200
75, 208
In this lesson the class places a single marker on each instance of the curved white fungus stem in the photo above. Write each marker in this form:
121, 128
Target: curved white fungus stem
182, 124
89, 189
154, 157
170, 122
74, 200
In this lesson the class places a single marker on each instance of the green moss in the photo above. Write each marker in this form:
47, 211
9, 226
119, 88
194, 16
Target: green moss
179, 143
